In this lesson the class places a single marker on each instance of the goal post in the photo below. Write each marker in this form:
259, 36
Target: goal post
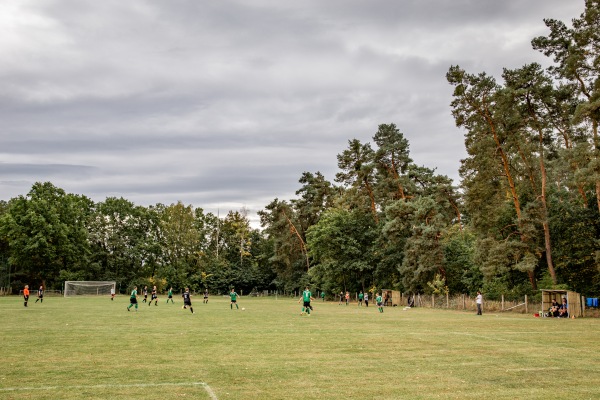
89, 288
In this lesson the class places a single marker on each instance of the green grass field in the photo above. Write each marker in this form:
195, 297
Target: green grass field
92, 348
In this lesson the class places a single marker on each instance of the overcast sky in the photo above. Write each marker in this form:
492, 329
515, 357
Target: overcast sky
223, 104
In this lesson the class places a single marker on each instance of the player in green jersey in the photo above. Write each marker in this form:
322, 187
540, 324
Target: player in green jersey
233, 296
323, 296
361, 296
170, 296
133, 299
306, 298
379, 302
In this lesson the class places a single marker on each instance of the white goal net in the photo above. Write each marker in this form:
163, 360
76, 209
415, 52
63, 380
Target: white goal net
89, 288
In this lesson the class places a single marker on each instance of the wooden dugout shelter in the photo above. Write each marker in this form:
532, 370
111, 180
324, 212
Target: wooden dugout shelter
394, 296
574, 302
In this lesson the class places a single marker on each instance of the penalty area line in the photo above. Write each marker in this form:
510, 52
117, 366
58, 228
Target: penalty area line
207, 388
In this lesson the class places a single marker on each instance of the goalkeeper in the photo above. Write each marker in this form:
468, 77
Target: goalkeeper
25, 295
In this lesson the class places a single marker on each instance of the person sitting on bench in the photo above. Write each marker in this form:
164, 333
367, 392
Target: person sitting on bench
563, 311
553, 311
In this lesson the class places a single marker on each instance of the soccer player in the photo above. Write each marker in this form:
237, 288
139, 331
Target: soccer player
40, 295
306, 298
361, 296
154, 297
347, 297
26, 295
170, 296
233, 296
367, 299
379, 302
187, 300
145, 294
323, 296
133, 299
112, 293
205, 301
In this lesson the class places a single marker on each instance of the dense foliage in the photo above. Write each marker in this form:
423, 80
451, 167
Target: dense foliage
526, 214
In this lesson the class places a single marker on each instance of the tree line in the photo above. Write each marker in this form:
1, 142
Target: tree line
524, 217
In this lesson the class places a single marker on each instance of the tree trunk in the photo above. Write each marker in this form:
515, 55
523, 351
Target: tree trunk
372, 199
596, 150
545, 225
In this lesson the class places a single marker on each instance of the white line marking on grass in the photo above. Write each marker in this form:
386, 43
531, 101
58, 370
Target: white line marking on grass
211, 394
207, 388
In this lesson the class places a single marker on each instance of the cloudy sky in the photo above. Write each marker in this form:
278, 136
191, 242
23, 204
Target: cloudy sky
223, 104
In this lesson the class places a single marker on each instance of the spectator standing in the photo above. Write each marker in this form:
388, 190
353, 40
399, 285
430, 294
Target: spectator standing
479, 301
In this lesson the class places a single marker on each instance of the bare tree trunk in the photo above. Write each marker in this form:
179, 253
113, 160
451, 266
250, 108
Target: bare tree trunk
302, 243
547, 242
372, 199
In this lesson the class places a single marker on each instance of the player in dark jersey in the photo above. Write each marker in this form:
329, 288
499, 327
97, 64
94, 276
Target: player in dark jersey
40, 295
145, 292
154, 297
170, 295
205, 301
187, 300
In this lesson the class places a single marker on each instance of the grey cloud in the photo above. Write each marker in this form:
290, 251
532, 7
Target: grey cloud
45, 170
229, 102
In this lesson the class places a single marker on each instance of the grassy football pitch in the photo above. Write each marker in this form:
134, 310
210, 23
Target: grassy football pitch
92, 348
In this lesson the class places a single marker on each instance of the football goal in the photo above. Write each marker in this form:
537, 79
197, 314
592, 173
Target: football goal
88, 288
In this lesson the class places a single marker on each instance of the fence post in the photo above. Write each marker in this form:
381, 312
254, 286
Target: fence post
525, 304
447, 301
433, 301
502, 303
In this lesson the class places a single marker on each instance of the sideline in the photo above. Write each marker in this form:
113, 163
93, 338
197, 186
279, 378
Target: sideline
207, 388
